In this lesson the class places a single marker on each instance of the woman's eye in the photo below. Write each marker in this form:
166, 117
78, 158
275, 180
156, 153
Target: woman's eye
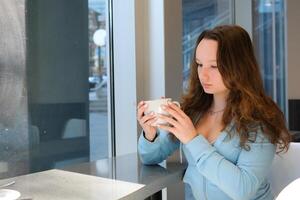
214, 66
200, 65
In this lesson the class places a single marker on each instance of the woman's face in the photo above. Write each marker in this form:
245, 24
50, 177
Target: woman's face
208, 73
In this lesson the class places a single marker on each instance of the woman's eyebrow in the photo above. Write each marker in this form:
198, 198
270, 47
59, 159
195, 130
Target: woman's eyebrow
212, 60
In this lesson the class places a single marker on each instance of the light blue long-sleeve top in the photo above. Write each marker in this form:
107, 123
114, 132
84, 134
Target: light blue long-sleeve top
219, 171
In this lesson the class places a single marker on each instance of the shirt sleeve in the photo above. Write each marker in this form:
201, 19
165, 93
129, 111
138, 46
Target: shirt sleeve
155, 152
240, 180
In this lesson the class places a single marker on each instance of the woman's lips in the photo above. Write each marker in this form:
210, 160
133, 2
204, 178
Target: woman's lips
206, 85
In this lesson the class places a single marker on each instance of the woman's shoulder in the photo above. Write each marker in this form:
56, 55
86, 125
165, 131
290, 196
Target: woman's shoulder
256, 133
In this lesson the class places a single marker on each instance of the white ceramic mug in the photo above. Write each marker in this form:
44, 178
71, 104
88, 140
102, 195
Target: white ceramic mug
155, 106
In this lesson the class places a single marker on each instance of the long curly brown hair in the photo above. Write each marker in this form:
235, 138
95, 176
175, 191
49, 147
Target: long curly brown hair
248, 106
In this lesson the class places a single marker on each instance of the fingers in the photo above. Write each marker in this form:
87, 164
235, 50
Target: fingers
151, 122
172, 112
141, 103
174, 107
146, 118
142, 106
170, 120
167, 128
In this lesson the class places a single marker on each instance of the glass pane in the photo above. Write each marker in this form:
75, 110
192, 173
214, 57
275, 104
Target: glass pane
98, 67
57, 82
280, 54
14, 137
268, 37
199, 15
53, 84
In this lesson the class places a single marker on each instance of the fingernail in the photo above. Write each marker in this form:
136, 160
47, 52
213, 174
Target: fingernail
146, 105
163, 107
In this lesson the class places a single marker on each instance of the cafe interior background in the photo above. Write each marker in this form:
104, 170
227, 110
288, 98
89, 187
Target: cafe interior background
72, 72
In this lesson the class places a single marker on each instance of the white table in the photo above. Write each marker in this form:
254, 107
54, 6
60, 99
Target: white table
59, 184
122, 177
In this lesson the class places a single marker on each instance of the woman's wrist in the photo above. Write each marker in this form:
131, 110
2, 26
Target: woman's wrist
191, 137
150, 138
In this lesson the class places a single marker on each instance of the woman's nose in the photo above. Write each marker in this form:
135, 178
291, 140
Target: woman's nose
203, 73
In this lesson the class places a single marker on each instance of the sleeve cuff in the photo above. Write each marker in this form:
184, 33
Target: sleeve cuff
146, 144
150, 140
197, 149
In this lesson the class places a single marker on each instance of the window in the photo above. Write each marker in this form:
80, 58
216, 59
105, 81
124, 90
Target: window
269, 44
198, 16
53, 84
268, 31
98, 80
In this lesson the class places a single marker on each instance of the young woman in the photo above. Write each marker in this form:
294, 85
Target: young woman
228, 127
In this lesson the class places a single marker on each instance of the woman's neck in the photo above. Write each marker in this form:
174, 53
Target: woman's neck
219, 102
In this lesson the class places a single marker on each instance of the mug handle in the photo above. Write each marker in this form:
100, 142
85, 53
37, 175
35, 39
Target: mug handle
177, 103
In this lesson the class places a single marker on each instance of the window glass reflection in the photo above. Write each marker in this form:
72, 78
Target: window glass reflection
53, 84
269, 44
199, 15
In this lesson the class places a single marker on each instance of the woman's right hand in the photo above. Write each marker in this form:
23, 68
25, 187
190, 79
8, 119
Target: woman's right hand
146, 121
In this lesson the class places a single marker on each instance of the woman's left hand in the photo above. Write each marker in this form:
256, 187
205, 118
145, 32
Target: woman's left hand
181, 125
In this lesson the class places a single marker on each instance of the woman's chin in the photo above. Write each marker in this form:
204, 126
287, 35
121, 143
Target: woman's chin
208, 91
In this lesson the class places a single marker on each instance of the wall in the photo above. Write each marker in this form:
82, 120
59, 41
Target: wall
158, 44
159, 58
293, 69
147, 54
124, 76
293, 48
